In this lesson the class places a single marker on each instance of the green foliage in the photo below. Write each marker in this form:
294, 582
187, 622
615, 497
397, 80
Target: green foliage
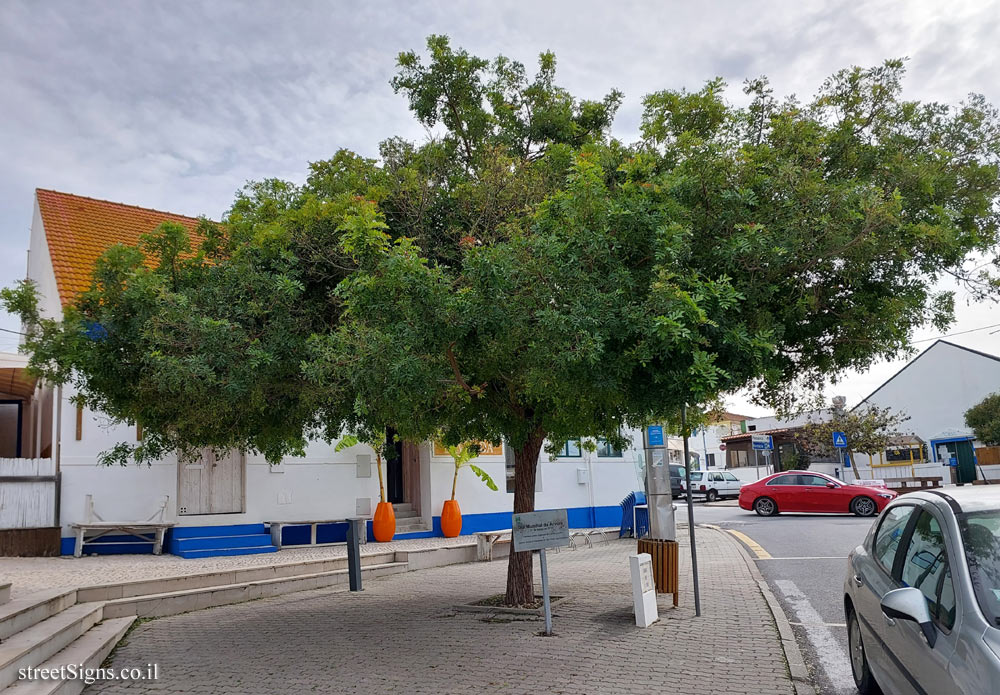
521, 274
462, 455
984, 419
868, 430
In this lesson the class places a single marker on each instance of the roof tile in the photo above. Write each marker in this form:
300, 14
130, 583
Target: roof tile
79, 229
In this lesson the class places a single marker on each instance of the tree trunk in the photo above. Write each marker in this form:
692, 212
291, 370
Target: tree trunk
520, 589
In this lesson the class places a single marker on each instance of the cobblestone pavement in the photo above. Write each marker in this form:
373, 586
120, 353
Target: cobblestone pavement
401, 635
30, 574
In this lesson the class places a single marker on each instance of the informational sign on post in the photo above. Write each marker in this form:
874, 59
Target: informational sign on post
643, 589
654, 435
839, 440
762, 442
538, 531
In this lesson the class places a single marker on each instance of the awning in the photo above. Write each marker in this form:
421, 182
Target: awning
14, 379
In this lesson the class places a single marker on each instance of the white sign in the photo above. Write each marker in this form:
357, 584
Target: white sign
539, 530
761, 442
643, 589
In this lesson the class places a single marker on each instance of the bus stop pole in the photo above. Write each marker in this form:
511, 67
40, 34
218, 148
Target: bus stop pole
690, 504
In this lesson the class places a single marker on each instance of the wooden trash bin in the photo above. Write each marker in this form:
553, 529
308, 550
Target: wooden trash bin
665, 565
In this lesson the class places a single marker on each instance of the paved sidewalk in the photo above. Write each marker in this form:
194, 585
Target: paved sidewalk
30, 574
402, 635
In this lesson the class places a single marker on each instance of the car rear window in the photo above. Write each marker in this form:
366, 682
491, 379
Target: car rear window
696, 475
981, 537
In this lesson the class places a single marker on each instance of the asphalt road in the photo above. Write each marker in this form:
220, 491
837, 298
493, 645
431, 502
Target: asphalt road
803, 557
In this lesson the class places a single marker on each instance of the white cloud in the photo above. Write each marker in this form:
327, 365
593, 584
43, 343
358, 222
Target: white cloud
175, 106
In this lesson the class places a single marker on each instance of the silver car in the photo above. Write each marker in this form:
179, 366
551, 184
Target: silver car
922, 595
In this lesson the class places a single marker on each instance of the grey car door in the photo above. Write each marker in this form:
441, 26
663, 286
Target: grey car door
926, 565
873, 579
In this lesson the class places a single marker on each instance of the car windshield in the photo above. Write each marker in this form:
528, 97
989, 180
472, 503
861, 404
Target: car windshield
695, 475
981, 535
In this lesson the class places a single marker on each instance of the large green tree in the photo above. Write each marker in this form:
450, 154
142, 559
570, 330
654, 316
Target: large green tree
523, 276
984, 419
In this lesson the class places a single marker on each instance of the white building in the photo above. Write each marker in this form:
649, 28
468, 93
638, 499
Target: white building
222, 506
934, 390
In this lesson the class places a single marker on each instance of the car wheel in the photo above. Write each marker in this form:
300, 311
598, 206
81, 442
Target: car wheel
863, 506
765, 506
711, 496
863, 677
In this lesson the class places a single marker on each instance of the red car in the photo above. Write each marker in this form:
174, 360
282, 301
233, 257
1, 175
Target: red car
801, 491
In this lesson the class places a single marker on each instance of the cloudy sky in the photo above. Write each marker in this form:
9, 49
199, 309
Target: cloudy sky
175, 105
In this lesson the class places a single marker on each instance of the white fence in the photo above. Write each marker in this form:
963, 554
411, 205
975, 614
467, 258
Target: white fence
28, 490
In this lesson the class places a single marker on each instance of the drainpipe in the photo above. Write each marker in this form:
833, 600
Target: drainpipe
590, 487
57, 453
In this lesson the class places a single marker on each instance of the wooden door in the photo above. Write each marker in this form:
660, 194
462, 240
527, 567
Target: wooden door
411, 475
211, 484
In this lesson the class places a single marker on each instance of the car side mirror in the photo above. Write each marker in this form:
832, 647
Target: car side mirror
909, 604
831, 485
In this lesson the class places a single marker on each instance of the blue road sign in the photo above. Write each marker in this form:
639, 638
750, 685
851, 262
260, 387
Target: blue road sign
654, 435
953, 462
840, 440
762, 442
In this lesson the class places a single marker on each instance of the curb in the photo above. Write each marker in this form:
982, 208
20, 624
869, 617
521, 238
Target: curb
801, 681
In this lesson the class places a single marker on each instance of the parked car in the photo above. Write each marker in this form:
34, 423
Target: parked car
713, 484
802, 491
676, 478
922, 595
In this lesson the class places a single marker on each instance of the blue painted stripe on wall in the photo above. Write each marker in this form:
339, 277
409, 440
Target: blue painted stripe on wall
579, 517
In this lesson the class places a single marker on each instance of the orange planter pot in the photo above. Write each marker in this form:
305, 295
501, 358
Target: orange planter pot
384, 523
451, 519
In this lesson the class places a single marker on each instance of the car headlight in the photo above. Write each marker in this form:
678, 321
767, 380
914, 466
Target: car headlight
886, 495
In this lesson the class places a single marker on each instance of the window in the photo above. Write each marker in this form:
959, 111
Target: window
696, 475
925, 567
571, 449
710, 460
715, 477
816, 480
889, 533
981, 537
605, 450
730, 477
739, 458
784, 480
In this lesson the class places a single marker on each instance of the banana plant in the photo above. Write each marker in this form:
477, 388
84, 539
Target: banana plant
463, 455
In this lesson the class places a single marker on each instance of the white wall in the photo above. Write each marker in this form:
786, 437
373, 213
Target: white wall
40, 269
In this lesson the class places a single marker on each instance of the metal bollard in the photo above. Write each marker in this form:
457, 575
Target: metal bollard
355, 529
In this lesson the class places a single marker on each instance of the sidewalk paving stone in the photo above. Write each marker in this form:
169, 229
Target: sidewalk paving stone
402, 634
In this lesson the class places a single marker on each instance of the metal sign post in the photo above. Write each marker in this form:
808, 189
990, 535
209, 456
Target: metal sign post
538, 531
690, 504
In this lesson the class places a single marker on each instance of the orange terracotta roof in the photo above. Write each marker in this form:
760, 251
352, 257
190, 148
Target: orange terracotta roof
79, 229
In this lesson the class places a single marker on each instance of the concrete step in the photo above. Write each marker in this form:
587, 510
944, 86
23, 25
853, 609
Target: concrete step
21, 613
398, 507
255, 540
408, 514
410, 525
36, 644
4, 593
225, 552
179, 532
173, 603
166, 585
88, 650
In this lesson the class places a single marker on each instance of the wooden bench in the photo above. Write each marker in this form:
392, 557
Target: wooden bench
485, 540
904, 485
154, 525
131, 528
276, 527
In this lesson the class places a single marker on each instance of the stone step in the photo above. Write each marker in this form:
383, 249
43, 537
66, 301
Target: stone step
226, 552
23, 612
223, 542
418, 527
407, 514
4, 593
173, 603
166, 585
90, 650
36, 644
398, 507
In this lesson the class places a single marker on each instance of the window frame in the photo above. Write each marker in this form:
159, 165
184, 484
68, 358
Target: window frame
891, 572
784, 476
564, 453
603, 445
901, 552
